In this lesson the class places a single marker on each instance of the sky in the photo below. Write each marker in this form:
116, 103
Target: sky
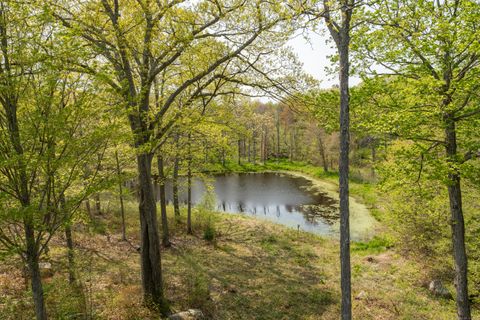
313, 51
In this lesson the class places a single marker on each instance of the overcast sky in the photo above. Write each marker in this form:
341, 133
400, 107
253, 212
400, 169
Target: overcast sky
313, 52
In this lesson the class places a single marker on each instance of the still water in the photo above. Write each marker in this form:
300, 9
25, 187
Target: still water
281, 198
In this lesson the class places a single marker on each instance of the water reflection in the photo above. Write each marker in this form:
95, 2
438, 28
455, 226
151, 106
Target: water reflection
277, 197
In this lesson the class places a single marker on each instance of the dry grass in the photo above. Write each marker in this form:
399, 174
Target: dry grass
253, 270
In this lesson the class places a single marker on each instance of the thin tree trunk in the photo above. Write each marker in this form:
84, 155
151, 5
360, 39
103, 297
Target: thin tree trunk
374, 158
341, 36
457, 226
265, 146
34, 270
89, 209
98, 206
294, 143
262, 146
189, 198
206, 151
254, 147
239, 151
70, 254
150, 245
343, 181
244, 148
176, 203
163, 202
278, 134
69, 242
321, 147
120, 191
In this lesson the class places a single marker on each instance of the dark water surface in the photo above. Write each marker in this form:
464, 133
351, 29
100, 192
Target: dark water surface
281, 198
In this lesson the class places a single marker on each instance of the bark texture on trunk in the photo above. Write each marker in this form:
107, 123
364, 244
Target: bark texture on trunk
321, 147
150, 243
163, 202
341, 36
70, 254
34, 270
120, 191
31, 244
343, 181
176, 203
457, 226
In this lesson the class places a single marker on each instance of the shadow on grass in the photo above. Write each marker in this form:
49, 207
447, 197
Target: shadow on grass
253, 276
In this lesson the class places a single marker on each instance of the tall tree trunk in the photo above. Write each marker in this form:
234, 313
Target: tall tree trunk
163, 202
341, 35
32, 247
457, 224
249, 151
120, 191
343, 181
150, 244
34, 270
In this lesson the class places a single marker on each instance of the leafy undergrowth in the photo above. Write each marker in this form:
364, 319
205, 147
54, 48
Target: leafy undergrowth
251, 270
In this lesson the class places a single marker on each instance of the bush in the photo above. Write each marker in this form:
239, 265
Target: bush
209, 232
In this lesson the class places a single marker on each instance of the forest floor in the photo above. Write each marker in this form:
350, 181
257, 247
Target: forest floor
253, 269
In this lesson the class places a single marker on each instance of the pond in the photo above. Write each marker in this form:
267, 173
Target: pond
278, 197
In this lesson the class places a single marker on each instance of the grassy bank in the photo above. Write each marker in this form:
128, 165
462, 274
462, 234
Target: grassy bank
252, 270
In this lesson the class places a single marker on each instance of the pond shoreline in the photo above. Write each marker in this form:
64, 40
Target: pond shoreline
360, 215
363, 225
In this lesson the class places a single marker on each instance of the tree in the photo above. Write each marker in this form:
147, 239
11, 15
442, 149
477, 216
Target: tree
44, 141
138, 40
340, 32
428, 55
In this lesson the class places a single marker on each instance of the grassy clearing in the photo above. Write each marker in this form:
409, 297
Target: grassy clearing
251, 270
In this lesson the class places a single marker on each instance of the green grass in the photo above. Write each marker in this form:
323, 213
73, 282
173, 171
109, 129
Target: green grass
253, 270
376, 245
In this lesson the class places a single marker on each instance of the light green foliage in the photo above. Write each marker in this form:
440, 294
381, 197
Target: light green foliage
62, 131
